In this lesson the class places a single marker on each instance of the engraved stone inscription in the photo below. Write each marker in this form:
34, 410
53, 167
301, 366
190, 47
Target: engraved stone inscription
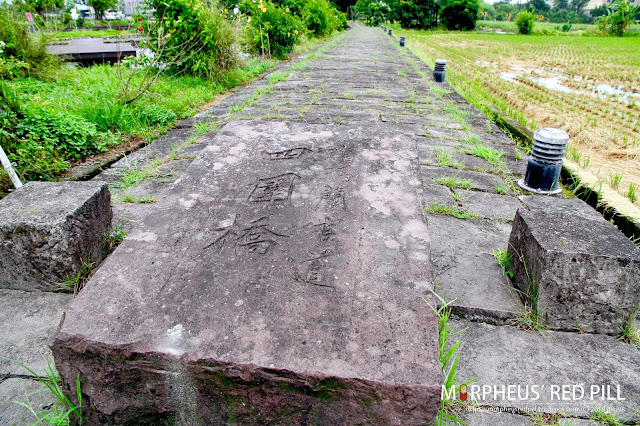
315, 264
254, 237
277, 188
289, 154
333, 197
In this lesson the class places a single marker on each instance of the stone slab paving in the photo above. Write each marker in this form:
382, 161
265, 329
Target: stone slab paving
28, 320
361, 81
603, 372
309, 245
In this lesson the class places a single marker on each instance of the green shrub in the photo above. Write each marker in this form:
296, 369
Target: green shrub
191, 36
272, 29
72, 135
459, 14
320, 17
21, 54
153, 115
525, 22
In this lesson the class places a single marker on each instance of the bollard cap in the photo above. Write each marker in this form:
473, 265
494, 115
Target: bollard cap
551, 136
441, 61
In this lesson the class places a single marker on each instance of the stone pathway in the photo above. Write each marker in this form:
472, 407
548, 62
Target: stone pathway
363, 87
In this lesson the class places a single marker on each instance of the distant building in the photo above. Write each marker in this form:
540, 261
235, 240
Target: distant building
597, 3
134, 7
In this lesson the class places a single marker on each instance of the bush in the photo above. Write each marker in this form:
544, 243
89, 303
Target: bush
320, 17
459, 14
153, 115
192, 37
272, 30
525, 22
41, 141
21, 55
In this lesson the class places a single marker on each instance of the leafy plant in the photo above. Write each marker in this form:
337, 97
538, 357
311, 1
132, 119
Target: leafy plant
620, 15
445, 158
115, 236
631, 193
525, 22
320, 17
448, 356
63, 411
502, 258
156, 115
272, 30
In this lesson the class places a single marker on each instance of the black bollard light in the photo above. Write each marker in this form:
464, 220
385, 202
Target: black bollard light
440, 70
545, 161
389, 32
402, 39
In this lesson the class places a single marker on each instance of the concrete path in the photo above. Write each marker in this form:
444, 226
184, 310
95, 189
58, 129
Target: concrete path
365, 81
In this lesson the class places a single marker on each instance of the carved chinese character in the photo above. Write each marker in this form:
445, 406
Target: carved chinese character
277, 188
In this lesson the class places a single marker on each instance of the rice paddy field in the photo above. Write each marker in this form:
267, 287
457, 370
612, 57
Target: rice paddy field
587, 86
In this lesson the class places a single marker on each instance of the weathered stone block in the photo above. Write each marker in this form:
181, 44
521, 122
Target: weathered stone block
47, 229
280, 281
584, 273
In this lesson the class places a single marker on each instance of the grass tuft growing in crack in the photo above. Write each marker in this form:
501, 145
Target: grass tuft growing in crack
449, 357
529, 318
502, 258
454, 182
454, 211
63, 411
75, 281
629, 330
445, 158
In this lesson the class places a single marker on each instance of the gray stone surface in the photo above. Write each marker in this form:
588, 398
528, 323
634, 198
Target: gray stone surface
47, 229
479, 181
286, 271
464, 269
501, 355
487, 205
586, 271
485, 417
22, 390
29, 319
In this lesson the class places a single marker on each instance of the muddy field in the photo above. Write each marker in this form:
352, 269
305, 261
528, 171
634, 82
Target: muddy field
588, 86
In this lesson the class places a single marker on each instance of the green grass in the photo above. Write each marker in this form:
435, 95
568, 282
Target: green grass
454, 211
502, 258
529, 317
139, 200
449, 357
493, 156
444, 158
605, 417
62, 411
454, 182
75, 281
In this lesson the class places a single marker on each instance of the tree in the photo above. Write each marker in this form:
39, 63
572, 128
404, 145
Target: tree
40, 6
578, 5
560, 4
100, 6
540, 6
375, 12
459, 14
